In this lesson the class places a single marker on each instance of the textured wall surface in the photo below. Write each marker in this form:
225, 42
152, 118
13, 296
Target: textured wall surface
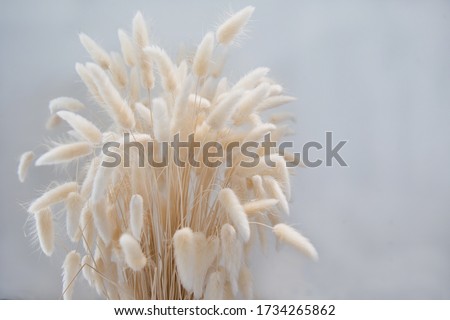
376, 73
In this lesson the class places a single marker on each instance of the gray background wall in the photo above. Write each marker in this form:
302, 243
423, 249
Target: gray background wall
376, 73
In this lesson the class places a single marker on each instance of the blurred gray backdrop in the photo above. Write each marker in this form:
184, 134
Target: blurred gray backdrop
376, 73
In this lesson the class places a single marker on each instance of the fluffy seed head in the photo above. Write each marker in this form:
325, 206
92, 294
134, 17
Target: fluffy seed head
167, 69
231, 249
87, 264
140, 33
100, 183
71, 266
89, 82
251, 79
184, 248
291, 236
65, 103
64, 153
274, 189
236, 212
52, 196
24, 164
82, 126
127, 47
102, 222
52, 122
228, 30
116, 105
223, 110
95, 51
246, 283
205, 252
259, 206
87, 228
249, 102
215, 286
198, 101
161, 120
74, 205
203, 55
273, 102
45, 232
134, 257
136, 215
118, 71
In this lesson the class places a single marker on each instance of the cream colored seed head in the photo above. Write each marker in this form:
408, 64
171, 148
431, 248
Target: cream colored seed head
152, 231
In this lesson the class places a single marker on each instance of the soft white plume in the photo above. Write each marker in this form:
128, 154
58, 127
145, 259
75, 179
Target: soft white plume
167, 69
291, 236
24, 164
136, 215
71, 267
82, 126
184, 248
118, 108
231, 250
52, 196
134, 257
161, 120
65, 103
215, 286
127, 47
228, 30
203, 55
64, 153
74, 205
236, 213
96, 52
45, 230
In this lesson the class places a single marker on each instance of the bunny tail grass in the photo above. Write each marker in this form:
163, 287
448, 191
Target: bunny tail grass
134, 257
152, 221
291, 236
71, 267
228, 31
26, 159
45, 230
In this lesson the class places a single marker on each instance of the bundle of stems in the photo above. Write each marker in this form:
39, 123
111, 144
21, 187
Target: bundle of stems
141, 231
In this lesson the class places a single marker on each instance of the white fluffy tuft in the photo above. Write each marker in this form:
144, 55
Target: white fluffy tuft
215, 286
127, 47
118, 108
231, 250
45, 231
95, 51
82, 126
24, 164
136, 215
236, 212
259, 206
167, 69
64, 153
52, 196
291, 236
184, 248
203, 55
71, 267
134, 257
228, 30
74, 205
65, 103
161, 120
